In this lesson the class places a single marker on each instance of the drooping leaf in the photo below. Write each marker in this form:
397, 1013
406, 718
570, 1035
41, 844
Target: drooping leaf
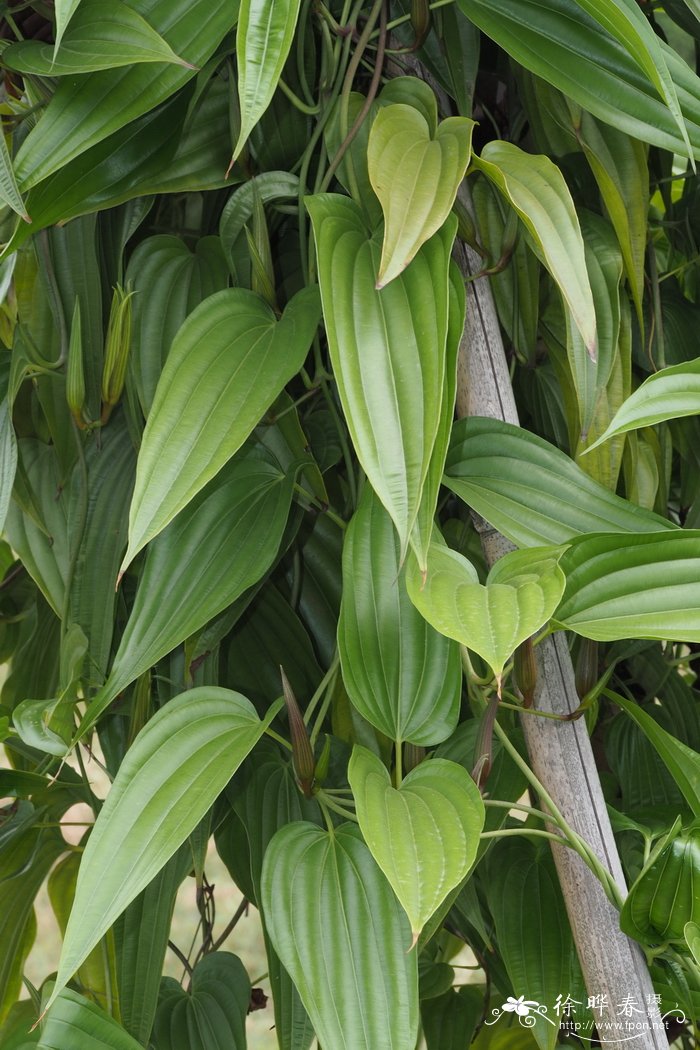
9, 190
415, 170
564, 45
521, 593
220, 545
8, 459
536, 189
270, 186
532, 931
169, 281
75, 1021
180, 761
682, 761
229, 360
87, 108
633, 586
671, 393
264, 37
342, 935
387, 349
401, 675
531, 491
212, 1014
423, 835
102, 35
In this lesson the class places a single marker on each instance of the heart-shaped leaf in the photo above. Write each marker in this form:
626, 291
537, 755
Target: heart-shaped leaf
415, 173
102, 35
424, 836
342, 935
178, 764
388, 350
536, 189
227, 363
521, 593
212, 1014
401, 674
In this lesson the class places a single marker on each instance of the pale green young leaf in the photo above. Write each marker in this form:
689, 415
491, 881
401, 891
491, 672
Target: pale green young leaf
671, 393
633, 586
342, 936
415, 175
522, 591
103, 34
530, 490
388, 351
263, 40
177, 766
228, 362
423, 835
400, 674
536, 189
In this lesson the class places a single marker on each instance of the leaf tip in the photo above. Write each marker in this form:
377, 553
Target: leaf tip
415, 934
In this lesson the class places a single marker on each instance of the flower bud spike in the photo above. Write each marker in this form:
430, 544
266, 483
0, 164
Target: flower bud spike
302, 754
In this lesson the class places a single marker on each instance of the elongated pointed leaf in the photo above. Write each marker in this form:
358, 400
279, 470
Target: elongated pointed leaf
564, 45
531, 491
9, 190
692, 939
86, 109
671, 393
521, 593
65, 9
342, 935
220, 545
423, 835
75, 1021
416, 175
269, 186
401, 675
388, 351
227, 363
212, 1014
633, 586
178, 764
8, 459
682, 762
264, 37
536, 189
104, 34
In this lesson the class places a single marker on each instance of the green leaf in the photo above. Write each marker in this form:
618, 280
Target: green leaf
64, 10
190, 575
141, 940
87, 108
531, 491
179, 763
229, 360
692, 939
423, 835
270, 186
104, 34
8, 459
264, 37
571, 50
416, 174
401, 675
633, 586
9, 190
388, 350
75, 1021
341, 934
212, 1014
532, 931
449, 1022
536, 189
671, 393
169, 281
682, 762
521, 593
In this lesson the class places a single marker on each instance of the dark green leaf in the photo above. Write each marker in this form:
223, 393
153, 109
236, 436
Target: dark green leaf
212, 1014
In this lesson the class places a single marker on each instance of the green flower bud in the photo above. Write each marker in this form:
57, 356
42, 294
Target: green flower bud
117, 346
75, 375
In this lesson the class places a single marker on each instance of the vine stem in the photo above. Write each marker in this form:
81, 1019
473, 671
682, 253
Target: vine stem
509, 832
612, 890
325, 681
328, 803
